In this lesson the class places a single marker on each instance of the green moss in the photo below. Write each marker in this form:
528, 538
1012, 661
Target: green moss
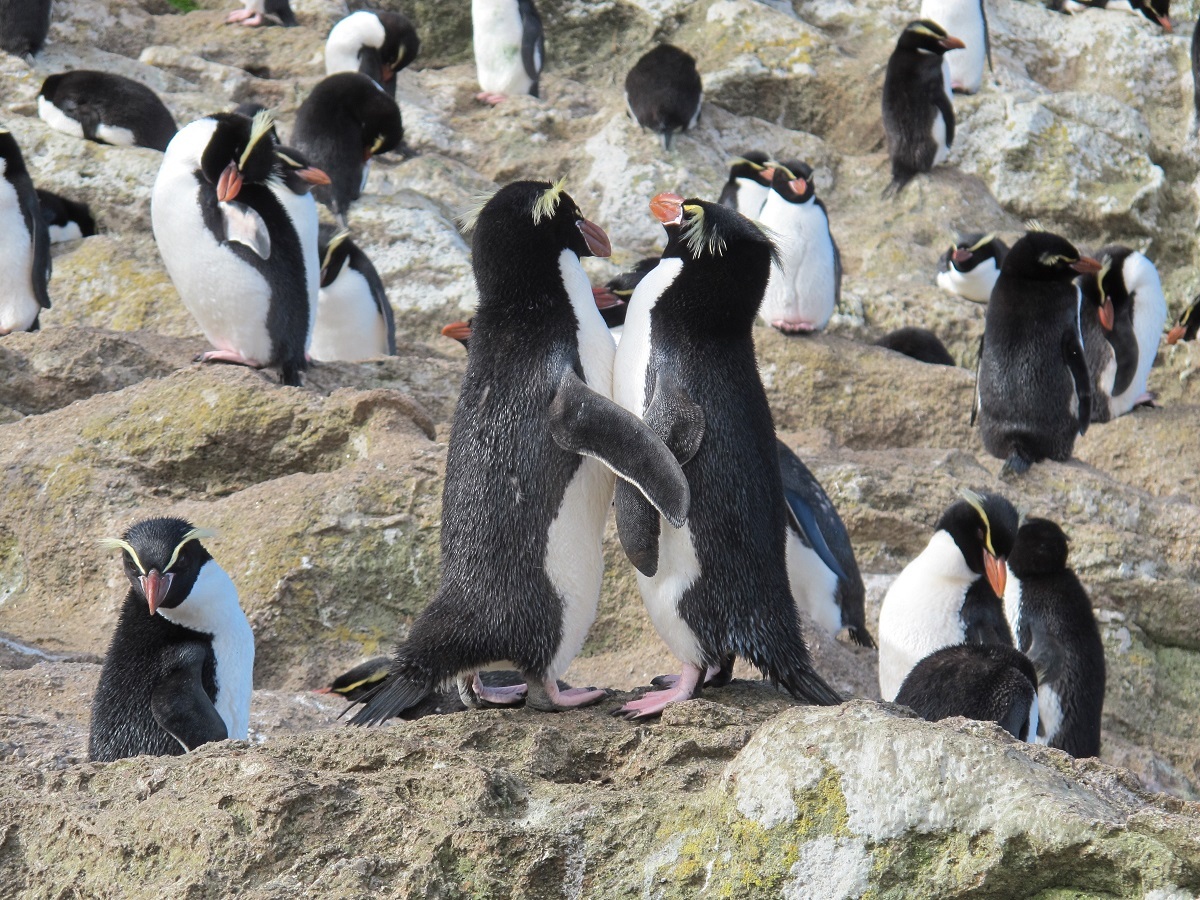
186, 6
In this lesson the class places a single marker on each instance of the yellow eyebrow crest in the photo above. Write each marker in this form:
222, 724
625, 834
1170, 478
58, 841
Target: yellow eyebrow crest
118, 544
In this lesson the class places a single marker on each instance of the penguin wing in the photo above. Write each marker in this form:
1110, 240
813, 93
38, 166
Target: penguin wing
37, 221
1124, 343
987, 35
582, 421
946, 107
243, 225
975, 399
637, 527
729, 194
802, 515
1072, 350
675, 417
533, 42
384, 307
180, 704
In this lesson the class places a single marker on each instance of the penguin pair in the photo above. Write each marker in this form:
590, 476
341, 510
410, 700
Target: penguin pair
24, 243
1157, 11
353, 318
106, 108
263, 12
179, 670
663, 92
971, 266
376, 43
968, 20
1187, 325
24, 25
510, 48
67, 220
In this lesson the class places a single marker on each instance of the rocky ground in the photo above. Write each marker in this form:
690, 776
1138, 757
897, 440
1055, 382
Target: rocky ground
327, 498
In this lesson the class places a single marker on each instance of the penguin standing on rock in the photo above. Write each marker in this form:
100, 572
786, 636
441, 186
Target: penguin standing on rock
263, 12
971, 266
377, 43
510, 48
663, 92
1187, 325
529, 481
24, 25
24, 243
68, 220
749, 184
968, 20
918, 115
354, 319
179, 670
106, 108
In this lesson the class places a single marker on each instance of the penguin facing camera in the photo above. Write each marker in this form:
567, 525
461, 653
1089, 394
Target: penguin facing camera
376, 43
106, 108
24, 243
663, 92
24, 25
919, 344
1186, 325
353, 319
263, 12
968, 20
749, 184
180, 667
67, 220
971, 266
510, 48
1157, 11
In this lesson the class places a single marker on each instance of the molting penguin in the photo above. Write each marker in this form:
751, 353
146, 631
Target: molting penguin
24, 243
966, 19
919, 344
917, 113
749, 184
354, 319
950, 594
1186, 325
67, 220
24, 25
237, 230
663, 92
718, 584
1157, 11
528, 472
510, 48
1051, 617
1034, 391
178, 674
106, 108
971, 266
377, 43
263, 12
989, 683
345, 121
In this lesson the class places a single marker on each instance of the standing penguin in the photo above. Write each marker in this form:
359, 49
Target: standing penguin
1052, 620
345, 121
806, 278
529, 469
917, 113
510, 48
180, 674
24, 25
377, 43
24, 243
971, 266
749, 184
237, 230
68, 220
1034, 390
718, 584
354, 319
950, 594
257, 12
966, 19
663, 92
106, 108
1186, 325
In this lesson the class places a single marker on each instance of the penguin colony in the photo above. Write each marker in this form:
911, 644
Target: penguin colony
643, 394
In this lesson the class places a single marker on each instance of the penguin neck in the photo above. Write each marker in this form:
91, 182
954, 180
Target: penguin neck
942, 558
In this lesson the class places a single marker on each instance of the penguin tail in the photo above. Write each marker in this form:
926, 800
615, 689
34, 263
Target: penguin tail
402, 689
896, 187
289, 372
668, 138
860, 636
1016, 464
790, 666
805, 684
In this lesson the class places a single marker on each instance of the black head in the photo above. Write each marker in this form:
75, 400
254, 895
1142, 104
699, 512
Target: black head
984, 526
1040, 549
50, 86
400, 43
793, 181
1187, 324
1107, 288
751, 166
928, 36
333, 249
296, 172
162, 558
10, 153
1157, 11
240, 150
1043, 256
973, 248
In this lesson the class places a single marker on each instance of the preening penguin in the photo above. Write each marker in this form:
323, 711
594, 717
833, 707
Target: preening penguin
178, 674
663, 92
1186, 325
353, 319
749, 184
919, 344
966, 19
67, 220
971, 266
237, 230
1052, 620
950, 594
510, 48
529, 481
106, 108
263, 12
24, 243
918, 115
1157, 11
377, 43
24, 25
716, 584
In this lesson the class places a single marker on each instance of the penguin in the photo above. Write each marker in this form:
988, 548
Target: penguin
67, 220
345, 121
971, 266
986, 682
106, 108
920, 344
533, 445
1187, 324
717, 584
353, 319
180, 667
377, 43
1033, 390
806, 279
1052, 620
663, 92
613, 299
510, 48
24, 25
263, 12
1157, 11
749, 184
917, 113
24, 243
237, 231
968, 20
359, 681
951, 593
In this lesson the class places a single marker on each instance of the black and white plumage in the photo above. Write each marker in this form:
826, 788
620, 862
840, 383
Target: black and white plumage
376, 43
749, 184
663, 92
918, 114
951, 593
1052, 620
354, 318
967, 20
237, 230
971, 266
613, 298
716, 585
1157, 11
1034, 391
986, 682
106, 108
346, 120
24, 243
510, 48
920, 344
67, 220
24, 25
529, 480
263, 12
179, 670
1187, 325
356, 683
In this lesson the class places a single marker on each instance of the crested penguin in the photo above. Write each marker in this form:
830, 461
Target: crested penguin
1157, 11
263, 12
1052, 620
510, 48
1187, 324
663, 92
24, 243
529, 482
354, 319
237, 231
968, 20
106, 108
920, 344
24, 25
179, 670
950, 594
971, 266
375, 42
67, 220
749, 184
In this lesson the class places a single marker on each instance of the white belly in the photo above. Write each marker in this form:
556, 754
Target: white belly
939, 138
975, 285
1149, 317
802, 284
814, 587
678, 569
62, 233
18, 304
962, 19
348, 324
633, 355
497, 34
115, 135
750, 198
57, 119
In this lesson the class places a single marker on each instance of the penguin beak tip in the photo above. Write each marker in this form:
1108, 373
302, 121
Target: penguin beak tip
1087, 266
594, 236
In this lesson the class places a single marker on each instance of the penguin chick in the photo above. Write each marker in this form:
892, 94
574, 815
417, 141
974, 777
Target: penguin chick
510, 48
359, 681
1157, 11
749, 184
24, 25
106, 108
24, 243
917, 113
1052, 619
67, 220
1187, 324
376, 43
968, 20
354, 319
663, 92
179, 670
989, 683
263, 12
919, 344
971, 266
950, 594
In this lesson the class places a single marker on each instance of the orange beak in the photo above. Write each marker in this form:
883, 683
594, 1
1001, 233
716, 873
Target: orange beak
1175, 335
1085, 265
667, 208
229, 184
155, 587
996, 572
605, 299
313, 175
1165, 22
951, 43
799, 186
460, 331
597, 241
1107, 314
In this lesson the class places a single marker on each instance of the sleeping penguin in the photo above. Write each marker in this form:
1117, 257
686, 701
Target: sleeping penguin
24, 243
1157, 11
920, 344
263, 12
68, 220
106, 108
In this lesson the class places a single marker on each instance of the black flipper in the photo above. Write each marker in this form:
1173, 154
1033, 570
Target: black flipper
975, 395
181, 706
944, 104
533, 44
805, 522
638, 525
1072, 350
675, 417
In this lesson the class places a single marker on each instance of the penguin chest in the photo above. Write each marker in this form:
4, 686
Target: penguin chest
814, 586
498, 35
964, 20
801, 290
937, 134
632, 368
974, 285
348, 323
57, 119
18, 304
750, 198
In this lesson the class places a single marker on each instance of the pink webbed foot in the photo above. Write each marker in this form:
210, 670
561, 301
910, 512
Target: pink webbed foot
548, 697
655, 702
670, 681
498, 696
1147, 399
254, 21
490, 98
238, 15
796, 327
228, 356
